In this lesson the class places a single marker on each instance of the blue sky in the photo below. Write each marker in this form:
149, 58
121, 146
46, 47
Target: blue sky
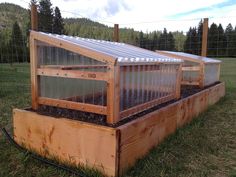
148, 15
213, 7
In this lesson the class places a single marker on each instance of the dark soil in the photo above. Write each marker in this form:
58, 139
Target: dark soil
101, 119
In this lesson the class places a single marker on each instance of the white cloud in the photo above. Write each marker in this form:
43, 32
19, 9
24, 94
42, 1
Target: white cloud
135, 13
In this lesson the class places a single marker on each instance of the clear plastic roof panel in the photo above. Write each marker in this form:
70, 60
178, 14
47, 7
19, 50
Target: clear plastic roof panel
196, 57
123, 53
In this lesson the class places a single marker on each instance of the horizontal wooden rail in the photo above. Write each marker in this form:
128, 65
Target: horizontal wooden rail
73, 66
144, 106
73, 105
191, 68
190, 83
101, 76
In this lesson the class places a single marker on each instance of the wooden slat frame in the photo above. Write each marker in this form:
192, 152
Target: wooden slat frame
113, 95
201, 68
74, 48
144, 106
35, 71
89, 75
73, 105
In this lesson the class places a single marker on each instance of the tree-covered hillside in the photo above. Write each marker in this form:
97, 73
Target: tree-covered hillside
10, 13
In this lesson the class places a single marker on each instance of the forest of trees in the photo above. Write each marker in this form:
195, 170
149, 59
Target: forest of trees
221, 42
14, 41
14, 33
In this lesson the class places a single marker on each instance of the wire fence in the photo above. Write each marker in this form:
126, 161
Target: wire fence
14, 45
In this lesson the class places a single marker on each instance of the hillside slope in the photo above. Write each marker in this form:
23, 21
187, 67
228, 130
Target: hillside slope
9, 13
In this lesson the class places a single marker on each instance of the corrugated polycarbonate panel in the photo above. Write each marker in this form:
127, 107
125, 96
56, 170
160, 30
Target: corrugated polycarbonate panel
191, 76
50, 55
140, 84
196, 57
76, 90
125, 53
211, 74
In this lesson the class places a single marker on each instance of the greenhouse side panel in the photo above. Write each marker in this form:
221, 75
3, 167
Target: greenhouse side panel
68, 141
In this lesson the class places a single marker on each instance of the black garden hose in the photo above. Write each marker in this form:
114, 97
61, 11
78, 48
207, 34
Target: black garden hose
37, 157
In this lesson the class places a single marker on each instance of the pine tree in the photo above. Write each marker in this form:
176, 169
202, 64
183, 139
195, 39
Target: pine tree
17, 44
229, 33
199, 38
222, 42
234, 42
141, 40
212, 40
154, 41
191, 43
58, 25
1, 47
45, 16
187, 43
170, 42
162, 43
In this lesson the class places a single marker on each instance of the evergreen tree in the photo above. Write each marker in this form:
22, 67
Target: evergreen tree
187, 43
45, 16
154, 41
162, 43
17, 44
191, 43
170, 42
212, 40
58, 25
199, 38
234, 42
221, 44
1, 48
141, 40
229, 33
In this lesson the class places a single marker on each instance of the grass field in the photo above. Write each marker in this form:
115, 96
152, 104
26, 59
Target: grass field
205, 147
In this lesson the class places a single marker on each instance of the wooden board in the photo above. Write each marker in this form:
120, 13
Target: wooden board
140, 136
69, 141
110, 150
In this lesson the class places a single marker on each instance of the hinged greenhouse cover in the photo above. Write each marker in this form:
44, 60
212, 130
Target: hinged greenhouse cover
111, 79
187, 56
119, 52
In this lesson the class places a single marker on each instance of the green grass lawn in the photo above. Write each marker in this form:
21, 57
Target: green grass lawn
205, 147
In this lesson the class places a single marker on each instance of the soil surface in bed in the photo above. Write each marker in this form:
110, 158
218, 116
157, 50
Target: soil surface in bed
101, 119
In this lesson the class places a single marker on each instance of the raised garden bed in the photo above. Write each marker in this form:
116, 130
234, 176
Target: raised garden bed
110, 149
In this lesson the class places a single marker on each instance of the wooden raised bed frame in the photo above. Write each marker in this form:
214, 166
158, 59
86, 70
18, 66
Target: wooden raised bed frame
110, 150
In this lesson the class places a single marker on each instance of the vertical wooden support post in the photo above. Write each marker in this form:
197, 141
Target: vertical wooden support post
218, 72
178, 82
201, 75
204, 37
34, 17
33, 58
33, 69
116, 33
113, 95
